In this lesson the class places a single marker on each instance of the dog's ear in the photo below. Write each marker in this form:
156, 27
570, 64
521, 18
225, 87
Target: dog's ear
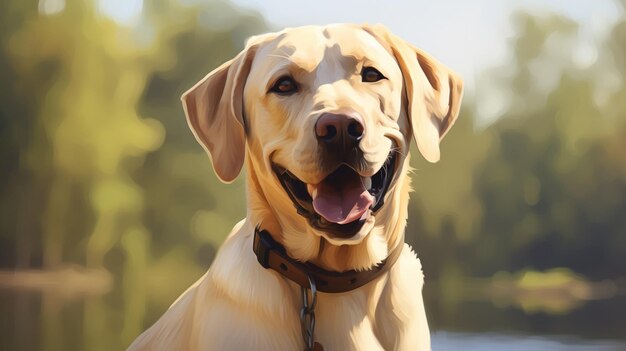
214, 109
432, 90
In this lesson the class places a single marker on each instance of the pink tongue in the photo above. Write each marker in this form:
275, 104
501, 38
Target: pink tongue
342, 200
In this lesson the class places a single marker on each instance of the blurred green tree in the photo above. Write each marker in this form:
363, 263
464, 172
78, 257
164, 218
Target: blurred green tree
89, 174
546, 181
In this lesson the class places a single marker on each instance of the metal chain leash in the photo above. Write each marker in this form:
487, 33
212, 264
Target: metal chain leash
307, 314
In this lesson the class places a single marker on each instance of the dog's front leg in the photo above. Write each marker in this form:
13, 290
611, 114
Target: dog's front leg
400, 315
228, 326
247, 307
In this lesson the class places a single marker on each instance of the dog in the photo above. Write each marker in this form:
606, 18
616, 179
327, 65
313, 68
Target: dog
322, 117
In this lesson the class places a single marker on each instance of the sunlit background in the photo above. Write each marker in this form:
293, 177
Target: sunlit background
109, 209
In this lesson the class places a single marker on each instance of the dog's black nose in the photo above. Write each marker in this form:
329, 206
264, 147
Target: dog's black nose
339, 129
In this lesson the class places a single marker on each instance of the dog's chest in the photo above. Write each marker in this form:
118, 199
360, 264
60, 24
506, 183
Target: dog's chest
343, 322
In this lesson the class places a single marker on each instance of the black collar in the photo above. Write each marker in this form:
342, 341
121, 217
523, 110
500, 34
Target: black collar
273, 255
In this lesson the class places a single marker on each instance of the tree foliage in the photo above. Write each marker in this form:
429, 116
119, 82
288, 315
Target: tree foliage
549, 188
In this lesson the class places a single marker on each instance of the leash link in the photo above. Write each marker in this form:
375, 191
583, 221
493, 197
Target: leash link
307, 314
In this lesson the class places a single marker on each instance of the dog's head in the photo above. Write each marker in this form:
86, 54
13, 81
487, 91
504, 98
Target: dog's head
325, 115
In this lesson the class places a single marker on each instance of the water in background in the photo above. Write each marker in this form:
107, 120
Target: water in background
450, 341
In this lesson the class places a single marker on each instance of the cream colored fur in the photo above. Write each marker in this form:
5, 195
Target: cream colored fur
239, 305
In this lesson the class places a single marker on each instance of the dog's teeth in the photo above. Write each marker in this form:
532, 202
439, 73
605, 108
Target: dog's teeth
311, 189
367, 183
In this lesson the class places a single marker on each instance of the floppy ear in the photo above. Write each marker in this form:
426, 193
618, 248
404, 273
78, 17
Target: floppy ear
214, 109
433, 92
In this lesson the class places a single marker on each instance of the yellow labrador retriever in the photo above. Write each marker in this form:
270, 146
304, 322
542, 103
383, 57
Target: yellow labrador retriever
323, 118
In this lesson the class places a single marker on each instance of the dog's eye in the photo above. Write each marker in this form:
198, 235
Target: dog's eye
371, 75
284, 85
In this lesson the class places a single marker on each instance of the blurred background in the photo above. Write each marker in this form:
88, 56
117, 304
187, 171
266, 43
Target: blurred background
109, 209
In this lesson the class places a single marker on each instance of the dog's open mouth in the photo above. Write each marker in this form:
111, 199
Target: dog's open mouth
340, 203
